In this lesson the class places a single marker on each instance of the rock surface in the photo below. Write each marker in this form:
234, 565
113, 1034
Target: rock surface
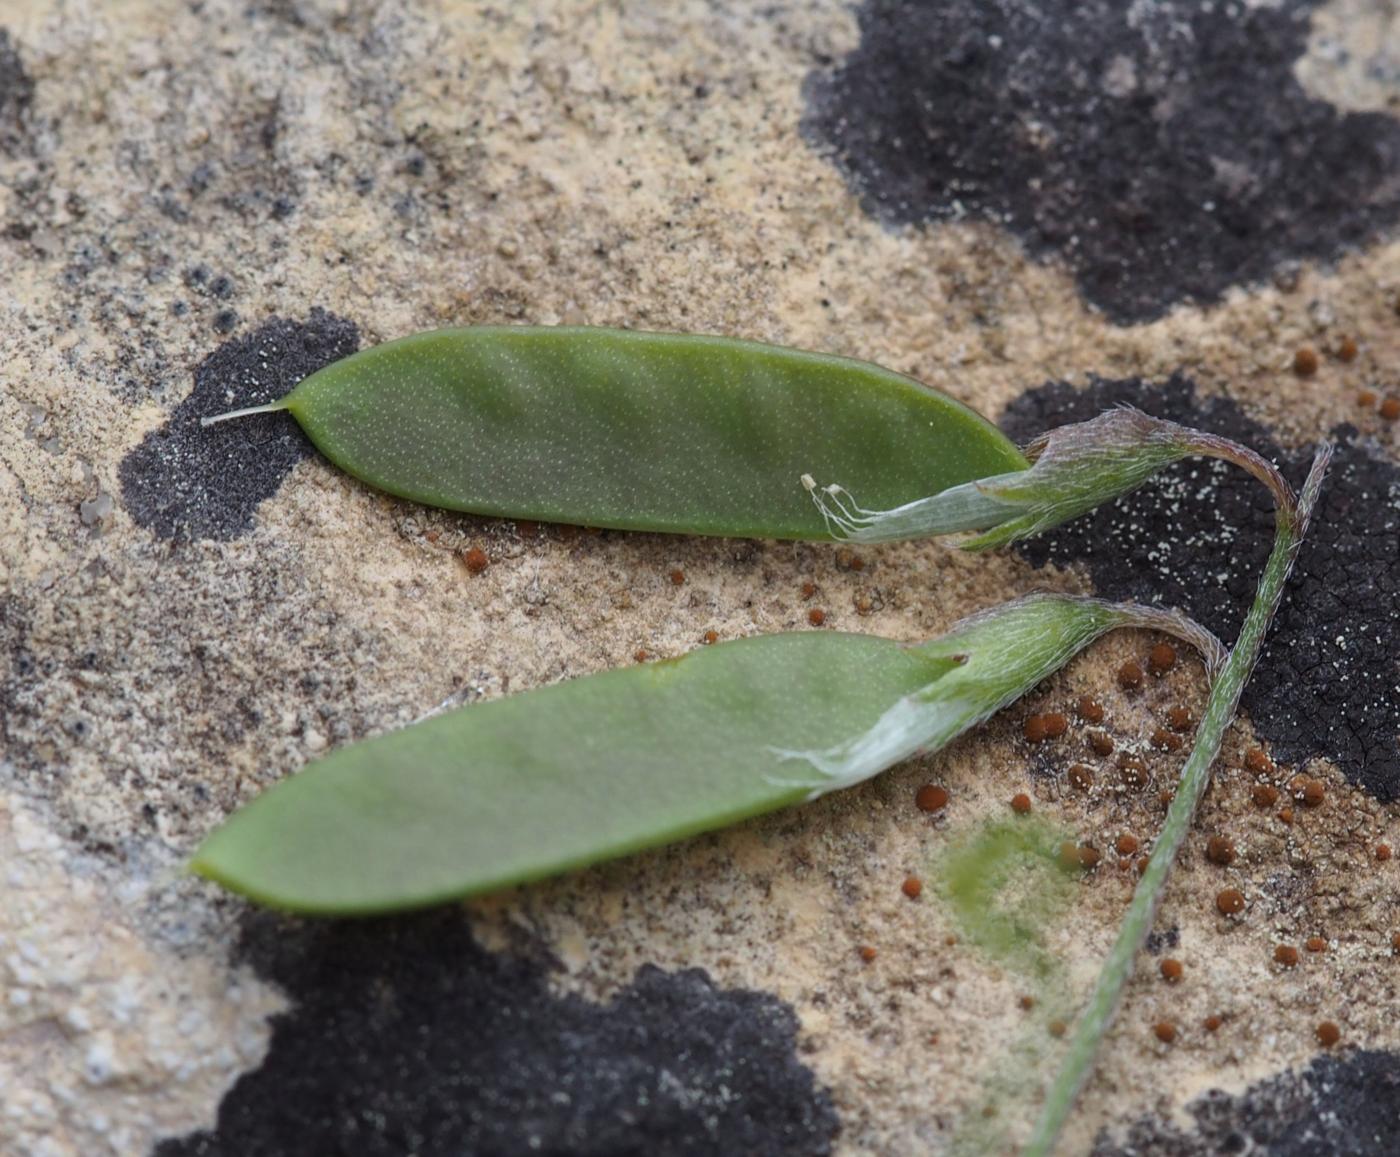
199, 203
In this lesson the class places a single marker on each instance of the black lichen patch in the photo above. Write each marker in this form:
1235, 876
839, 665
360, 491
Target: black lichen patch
407, 1037
1196, 537
1343, 1107
16, 97
185, 481
1164, 151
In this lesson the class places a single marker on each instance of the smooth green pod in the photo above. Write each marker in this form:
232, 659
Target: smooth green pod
520, 788
637, 431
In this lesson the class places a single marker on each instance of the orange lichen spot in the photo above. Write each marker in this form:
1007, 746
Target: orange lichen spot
1057, 1028
931, 798
1132, 770
912, 887
475, 560
950, 941
1034, 729
1309, 792
1088, 856
809, 590
710, 637
816, 616
1305, 362
1165, 741
1220, 850
1286, 815
1180, 719
432, 535
1257, 761
1264, 795
1230, 901
639, 655
1347, 349
867, 953
1056, 724
1130, 676
1171, 970
1315, 944
1126, 844
1101, 742
677, 577
1212, 1023
1141, 865
1367, 398
1089, 709
1020, 803
1286, 955
1383, 852
1164, 1031
1027, 1002
1164, 797
1161, 659
1328, 1034
1080, 777
1390, 408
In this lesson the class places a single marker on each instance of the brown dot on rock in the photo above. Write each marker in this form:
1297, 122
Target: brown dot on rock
639, 655
1132, 770
1080, 777
1130, 676
1286, 815
1057, 1028
1101, 743
1230, 901
1383, 852
809, 590
1180, 719
1165, 741
1171, 970
1220, 850
1126, 844
710, 637
1347, 349
1164, 1031
1089, 709
867, 953
1088, 856
1020, 803
1390, 408
1027, 1002
1257, 761
1034, 729
1056, 724
1309, 792
1212, 1023
678, 577
912, 887
931, 798
1367, 398
1286, 955
475, 560
1161, 659
1264, 795
816, 616
1315, 944
1305, 362
1328, 1034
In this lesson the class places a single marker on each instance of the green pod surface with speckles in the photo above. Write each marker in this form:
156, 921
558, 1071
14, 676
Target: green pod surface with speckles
638, 431
520, 788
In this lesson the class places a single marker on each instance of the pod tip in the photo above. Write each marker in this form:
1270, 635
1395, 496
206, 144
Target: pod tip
270, 408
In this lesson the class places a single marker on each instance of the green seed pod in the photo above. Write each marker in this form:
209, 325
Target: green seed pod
636, 431
520, 788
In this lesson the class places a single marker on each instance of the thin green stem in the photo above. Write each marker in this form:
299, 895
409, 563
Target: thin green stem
1291, 525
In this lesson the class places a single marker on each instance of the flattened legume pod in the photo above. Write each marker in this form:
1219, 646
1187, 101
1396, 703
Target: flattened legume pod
637, 431
520, 788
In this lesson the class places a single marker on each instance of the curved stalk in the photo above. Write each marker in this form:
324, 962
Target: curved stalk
1291, 521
